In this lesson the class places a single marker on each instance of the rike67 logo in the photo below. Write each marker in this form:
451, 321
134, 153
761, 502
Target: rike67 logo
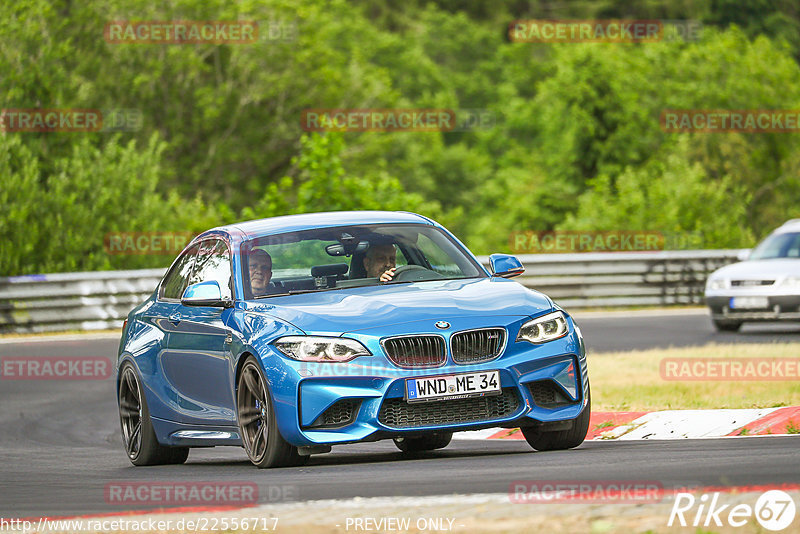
774, 510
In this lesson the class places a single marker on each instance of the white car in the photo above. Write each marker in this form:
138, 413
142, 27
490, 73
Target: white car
764, 287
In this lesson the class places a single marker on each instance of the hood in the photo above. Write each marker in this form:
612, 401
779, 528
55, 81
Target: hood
348, 310
760, 269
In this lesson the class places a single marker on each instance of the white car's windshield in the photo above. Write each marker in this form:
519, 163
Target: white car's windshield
786, 245
341, 257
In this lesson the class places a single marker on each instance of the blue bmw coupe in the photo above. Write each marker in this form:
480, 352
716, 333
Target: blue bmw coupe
288, 335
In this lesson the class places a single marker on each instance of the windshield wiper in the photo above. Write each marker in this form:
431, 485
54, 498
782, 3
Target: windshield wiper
426, 280
299, 291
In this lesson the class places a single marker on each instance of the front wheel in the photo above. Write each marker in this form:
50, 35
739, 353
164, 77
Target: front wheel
138, 435
561, 439
424, 443
257, 424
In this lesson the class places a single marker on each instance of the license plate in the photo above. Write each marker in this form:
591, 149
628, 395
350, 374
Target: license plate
452, 386
741, 303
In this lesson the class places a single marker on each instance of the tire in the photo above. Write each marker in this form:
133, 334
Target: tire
726, 325
257, 424
561, 439
138, 436
424, 443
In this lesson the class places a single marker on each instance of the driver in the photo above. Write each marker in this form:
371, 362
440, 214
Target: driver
259, 264
380, 261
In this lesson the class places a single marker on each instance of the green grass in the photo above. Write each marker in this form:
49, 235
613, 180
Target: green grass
631, 381
604, 424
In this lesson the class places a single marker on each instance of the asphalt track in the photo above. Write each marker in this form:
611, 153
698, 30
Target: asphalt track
60, 444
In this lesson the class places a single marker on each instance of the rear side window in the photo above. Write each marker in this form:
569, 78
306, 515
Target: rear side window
213, 263
175, 282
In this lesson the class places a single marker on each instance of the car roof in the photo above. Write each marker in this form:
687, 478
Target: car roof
307, 221
792, 225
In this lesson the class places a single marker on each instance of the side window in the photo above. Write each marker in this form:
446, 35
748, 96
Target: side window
439, 260
175, 281
794, 247
213, 263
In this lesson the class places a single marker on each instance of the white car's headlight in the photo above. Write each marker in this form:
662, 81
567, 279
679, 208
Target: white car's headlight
791, 281
545, 328
716, 283
320, 349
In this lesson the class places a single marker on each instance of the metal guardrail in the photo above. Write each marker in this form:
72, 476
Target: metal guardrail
99, 300
611, 279
73, 301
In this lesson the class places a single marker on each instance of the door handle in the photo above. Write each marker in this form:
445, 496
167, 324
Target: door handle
228, 338
175, 318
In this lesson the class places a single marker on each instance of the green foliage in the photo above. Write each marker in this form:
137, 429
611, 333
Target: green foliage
324, 185
667, 194
576, 141
58, 221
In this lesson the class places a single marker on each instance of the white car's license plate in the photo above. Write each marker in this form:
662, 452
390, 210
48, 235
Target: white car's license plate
742, 303
452, 386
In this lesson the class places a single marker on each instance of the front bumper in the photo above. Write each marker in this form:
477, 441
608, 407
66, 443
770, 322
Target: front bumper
363, 400
780, 307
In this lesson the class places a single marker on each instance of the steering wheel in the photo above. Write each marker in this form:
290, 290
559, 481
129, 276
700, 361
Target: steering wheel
413, 273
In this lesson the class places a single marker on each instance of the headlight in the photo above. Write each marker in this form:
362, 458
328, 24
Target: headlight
791, 281
545, 328
716, 283
320, 349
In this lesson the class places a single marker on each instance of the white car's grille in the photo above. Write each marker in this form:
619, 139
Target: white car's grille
751, 283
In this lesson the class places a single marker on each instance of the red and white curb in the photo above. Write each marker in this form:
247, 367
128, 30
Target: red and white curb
674, 424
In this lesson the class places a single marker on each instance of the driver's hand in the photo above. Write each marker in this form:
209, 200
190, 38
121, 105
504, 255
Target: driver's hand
387, 275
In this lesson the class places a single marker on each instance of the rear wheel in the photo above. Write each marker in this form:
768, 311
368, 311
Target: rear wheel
561, 439
424, 443
138, 435
257, 424
727, 325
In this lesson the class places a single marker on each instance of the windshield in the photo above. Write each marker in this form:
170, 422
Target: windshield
351, 256
786, 245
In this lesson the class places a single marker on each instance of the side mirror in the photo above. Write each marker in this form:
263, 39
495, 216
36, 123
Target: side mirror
743, 254
205, 294
505, 265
